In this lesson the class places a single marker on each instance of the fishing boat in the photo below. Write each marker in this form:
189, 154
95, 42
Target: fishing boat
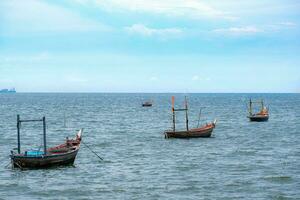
63, 154
203, 131
147, 104
262, 115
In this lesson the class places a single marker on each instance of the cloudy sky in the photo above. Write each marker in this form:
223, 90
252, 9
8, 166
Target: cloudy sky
150, 45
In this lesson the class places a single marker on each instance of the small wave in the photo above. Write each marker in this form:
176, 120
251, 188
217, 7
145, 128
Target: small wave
246, 152
278, 178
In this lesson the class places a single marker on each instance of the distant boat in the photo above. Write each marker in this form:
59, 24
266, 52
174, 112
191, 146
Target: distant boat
261, 116
63, 154
13, 90
204, 131
147, 104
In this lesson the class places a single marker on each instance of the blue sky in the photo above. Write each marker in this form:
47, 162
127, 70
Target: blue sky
150, 45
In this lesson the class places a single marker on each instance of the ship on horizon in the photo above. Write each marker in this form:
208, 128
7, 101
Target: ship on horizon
13, 90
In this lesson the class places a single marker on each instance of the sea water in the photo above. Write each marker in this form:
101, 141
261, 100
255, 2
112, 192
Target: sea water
242, 159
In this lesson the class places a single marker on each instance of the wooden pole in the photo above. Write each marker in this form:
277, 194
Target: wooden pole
44, 135
18, 128
250, 107
186, 115
65, 120
173, 112
199, 118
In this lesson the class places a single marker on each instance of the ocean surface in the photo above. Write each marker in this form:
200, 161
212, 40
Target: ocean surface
243, 160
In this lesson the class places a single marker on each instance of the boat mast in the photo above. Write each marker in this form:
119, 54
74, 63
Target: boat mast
262, 104
65, 120
199, 118
44, 135
250, 107
186, 115
18, 128
173, 112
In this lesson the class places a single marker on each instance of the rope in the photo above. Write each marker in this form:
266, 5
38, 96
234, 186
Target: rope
92, 150
18, 165
6, 166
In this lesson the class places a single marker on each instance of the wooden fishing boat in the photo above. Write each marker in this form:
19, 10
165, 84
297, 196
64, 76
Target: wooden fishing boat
147, 104
204, 131
261, 116
63, 154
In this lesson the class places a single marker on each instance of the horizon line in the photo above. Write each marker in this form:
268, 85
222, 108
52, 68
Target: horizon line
79, 92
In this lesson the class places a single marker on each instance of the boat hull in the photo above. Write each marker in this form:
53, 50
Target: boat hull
204, 132
63, 154
258, 118
147, 105
44, 161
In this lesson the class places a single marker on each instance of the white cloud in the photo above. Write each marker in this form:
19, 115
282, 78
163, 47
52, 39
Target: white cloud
38, 16
288, 24
6, 81
230, 31
73, 78
146, 31
252, 30
42, 56
81, 2
198, 78
195, 78
180, 8
281, 26
153, 78
247, 30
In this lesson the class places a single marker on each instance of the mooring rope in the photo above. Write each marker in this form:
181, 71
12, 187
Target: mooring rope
92, 150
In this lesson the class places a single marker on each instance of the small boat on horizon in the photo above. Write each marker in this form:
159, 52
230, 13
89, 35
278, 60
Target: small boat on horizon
147, 104
262, 115
63, 154
204, 131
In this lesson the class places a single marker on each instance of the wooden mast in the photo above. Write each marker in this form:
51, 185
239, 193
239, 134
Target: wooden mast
44, 135
18, 128
173, 112
181, 109
186, 115
250, 107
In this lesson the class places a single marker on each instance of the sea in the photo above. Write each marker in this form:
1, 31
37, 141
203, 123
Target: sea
242, 159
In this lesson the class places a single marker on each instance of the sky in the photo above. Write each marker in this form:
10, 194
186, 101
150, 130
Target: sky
207, 46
